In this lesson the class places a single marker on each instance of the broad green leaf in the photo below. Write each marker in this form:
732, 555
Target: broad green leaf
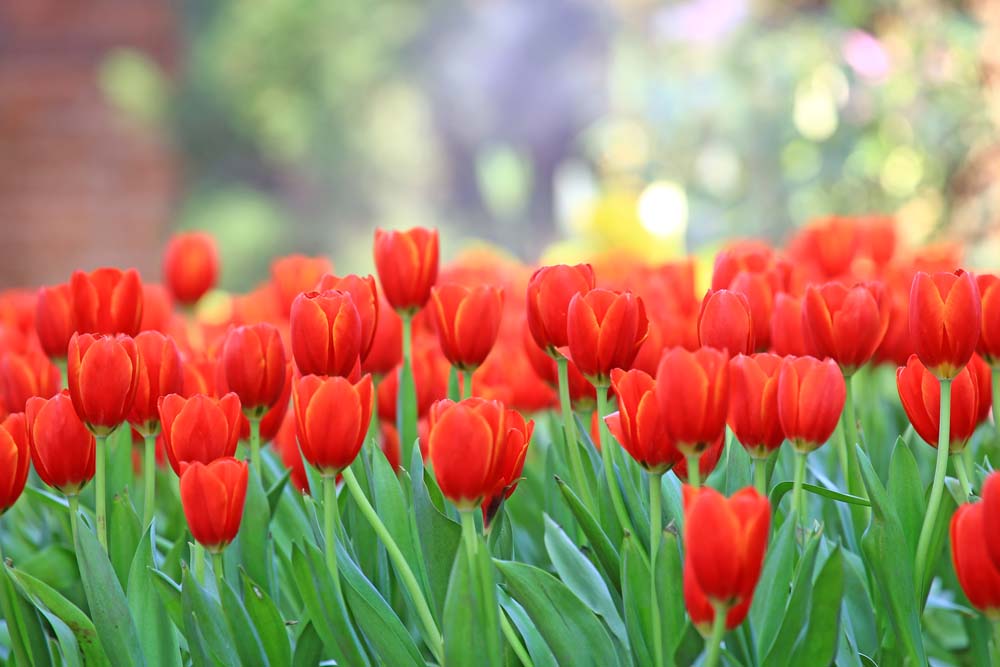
170, 595
274, 493
779, 490
501, 535
253, 537
124, 532
670, 588
906, 492
818, 645
770, 598
439, 540
538, 650
779, 650
636, 602
204, 618
308, 647
606, 554
471, 626
156, 634
248, 644
268, 622
391, 505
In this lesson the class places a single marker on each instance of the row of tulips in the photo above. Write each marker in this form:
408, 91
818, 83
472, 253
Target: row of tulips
382, 525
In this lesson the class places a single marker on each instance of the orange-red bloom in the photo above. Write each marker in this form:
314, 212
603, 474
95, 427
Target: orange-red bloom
920, 394
724, 545
326, 333
725, 322
693, 390
467, 322
945, 320
200, 428
107, 301
103, 374
846, 324
252, 366
161, 372
332, 417
213, 496
407, 265
707, 461
581, 392
759, 288
293, 274
62, 448
753, 403
605, 330
25, 375
550, 290
991, 512
637, 425
430, 378
288, 449
989, 333
387, 343
811, 395
15, 459
366, 299
54, 319
190, 266
787, 337
978, 574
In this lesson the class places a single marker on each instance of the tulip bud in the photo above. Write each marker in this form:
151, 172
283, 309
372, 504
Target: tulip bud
25, 375
326, 333
637, 425
693, 389
725, 322
977, 572
467, 322
920, 394
213, 496
945, 320
107, 301
989, 333
753, 403
190, 266
332, 417
811, 396
605, 330
15, 460
366, 299
252, 366
845, 324
549, 292
62, 448
161, 372
103, 374
200, 428
54, 319
386, 350
294, 274
787, 338
407, 264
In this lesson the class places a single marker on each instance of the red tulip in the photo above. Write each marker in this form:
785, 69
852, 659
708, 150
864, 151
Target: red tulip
991, 513
103, 374
725, 322
157, 309
107, 301
787, 337
989, 333
945, 318
605, 331
25, 375
288, 449
467, 322
977, 572
637, 425
252, 366
407, 264
62, 448
161, 372
273, 418
294, 274
811, 395
582, 394
897, 346
477, 448
983, 377
753, 403
845, 324
213, 496
430, 377
326, 333
920, 394
190, 266
200, 375
54, 319
15, 460
693, 390
550, 290
724, 545
759, 288
387, 344
366, 299
200, 428
706, 462
332, 417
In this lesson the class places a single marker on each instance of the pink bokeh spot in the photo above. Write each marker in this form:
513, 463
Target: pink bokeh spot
866, 55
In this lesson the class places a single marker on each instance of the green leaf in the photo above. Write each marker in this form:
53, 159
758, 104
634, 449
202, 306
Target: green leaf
108, 606
27, 639
268, 622
607, 556
156, 634
781, 488
308, 647
471, 622
574, 634
906, 493
124, 531
391, 505
170, 595
538, 650
203, 621
768, 607
818, 644
253, 537
780, 649
248, 644
274, 493
669, 586
439, 541
636, 602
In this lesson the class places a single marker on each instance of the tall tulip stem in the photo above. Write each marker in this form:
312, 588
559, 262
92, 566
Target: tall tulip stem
937, 487
798, 498
996, 640
469, 535
609, 471
432, 634
218, 567
760, 475
572, 444
655, 534
255, 445
963, 474
74, 510
406, 401
149, 480
466, 384
330, 516
694, 469
714, 644
101, 455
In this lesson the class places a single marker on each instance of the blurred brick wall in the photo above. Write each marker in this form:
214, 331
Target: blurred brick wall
80, 185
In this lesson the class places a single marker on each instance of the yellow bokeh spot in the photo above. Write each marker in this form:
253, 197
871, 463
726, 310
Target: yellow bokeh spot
663, 209
902, 171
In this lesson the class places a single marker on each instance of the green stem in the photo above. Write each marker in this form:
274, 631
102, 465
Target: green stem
798, 499
849, 419
432, 634
760, 476
373, 430
469, 535
514, 641
6, 593
937, 487
572, 444
74, 511
255, 445
218, 566
655, 533
454, 392
100, 459
694, 470
963, 475
406, 400
609, 473
996, 399
996, 641
466, 384
331, 514
714, 644
149, 480
198, 558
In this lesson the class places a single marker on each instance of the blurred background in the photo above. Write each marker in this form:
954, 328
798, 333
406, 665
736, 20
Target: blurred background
549, 127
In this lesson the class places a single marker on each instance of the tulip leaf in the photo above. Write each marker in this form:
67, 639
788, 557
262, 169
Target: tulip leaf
501, 536
439, 540
574, 634
606, 554
204, 625
636, 603
248, 643
538, 650
170, 595
268, 622
779, 650
27, 638
253, 536
124, 532
108, 606
818, 644
906, 493
471, 622
363, 539
156, 634
308, 647
779, 490
768, 607
274, 493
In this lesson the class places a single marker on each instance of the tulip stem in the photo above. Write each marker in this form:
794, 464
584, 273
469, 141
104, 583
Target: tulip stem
694, 469
149, 475
609, 471
432, 634
996, 639
798, 498
714, 644
100, 457
937, 487
330, 517
198, 562
572, 444
963, 475
515, 642
373, 422
74, 511
218, 567
466, 384
655, 534
255, 444
469, 536
454, 392
760, 476
996, 399
406, 399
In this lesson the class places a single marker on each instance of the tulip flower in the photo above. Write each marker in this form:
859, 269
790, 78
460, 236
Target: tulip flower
467, 323
430, 376
386, 350
213, 496
25, 375
103, 374
62, 448
54, 319
787, 337
989, 333
550, 290
15, 459
190, 266
157, 309
199, 428
107, 301
977, 571
845, 324
407, 264
366, 299
981, 374
725, 322
753, 409
605, 330
897, 346
582, 394
920, 394
293, 274
945, 320
637, 424
272, 419
332, 417
326, 333
288, 449
252, 366
707, 462
759, 288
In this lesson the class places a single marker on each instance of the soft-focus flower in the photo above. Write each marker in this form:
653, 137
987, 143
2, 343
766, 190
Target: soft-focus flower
945, 320
845, 324
288, 449
407, 265
725, 322
252, 366
331, 420
549, 292
759, 289
991, 514
54, 319
161, 372
582, 393
107, 301
213, 496
157, 309
605, 330
637, 425
977, 572
326, 333
275, 415
920, 394
190, 266
62, 448
693, 390
15, 460
293, 274
430, 379
707, 461
103, 373
989, 333
467, 322
366, 299
25, 375
753, 403
387, 343
811, 395
983, 377
200, 428
787, 337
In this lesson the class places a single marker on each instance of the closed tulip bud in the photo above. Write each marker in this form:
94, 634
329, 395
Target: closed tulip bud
787, 338
288, 449
945, 320
605, 331
366, 299
25, 375
982, 376
326, 333
920, 394
637, 425
725, 322
15, 459
845, 324
252, 366
467, 322
977, 572
811, 395
387, 345
550, 290
897, 346
407, 265
759, 288
161, 372
430, 377
107, 301
693, 390
213, 496
724, 545
200, 428
477, 448
991, 514
54, 319
989, 333
294, 274
190, 266
331, 420
273, 418
103, 374
62, 448
753, 403
706, 462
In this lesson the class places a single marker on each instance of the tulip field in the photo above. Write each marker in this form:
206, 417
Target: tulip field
778, 457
